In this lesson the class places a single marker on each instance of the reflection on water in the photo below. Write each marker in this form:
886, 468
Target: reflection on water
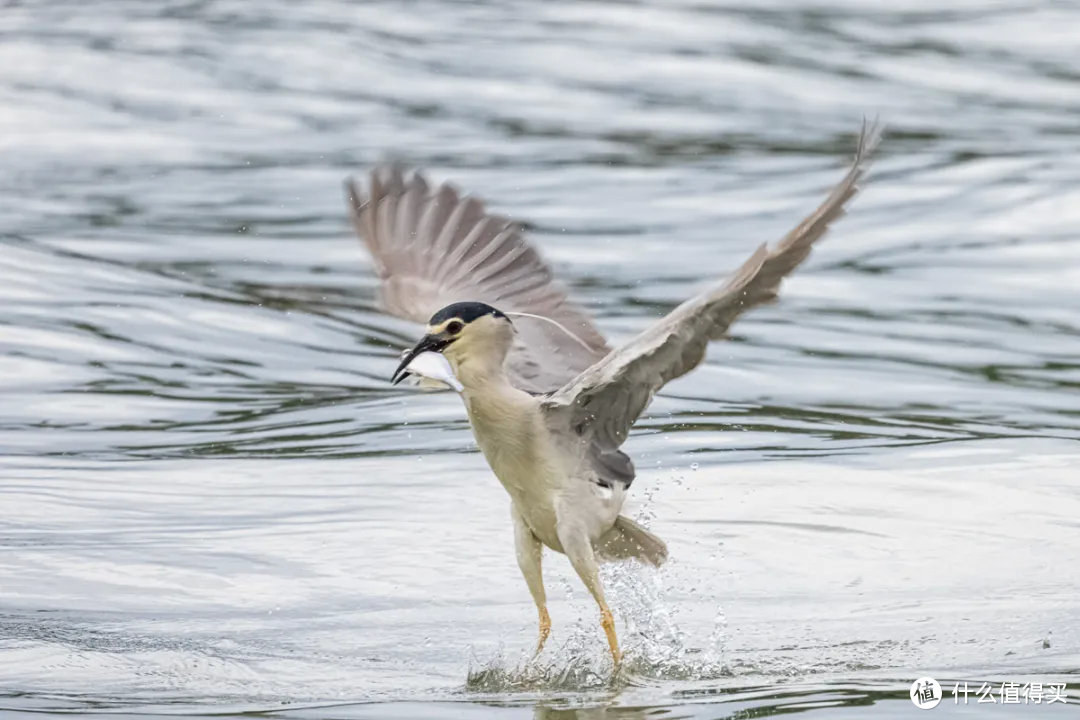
211, 496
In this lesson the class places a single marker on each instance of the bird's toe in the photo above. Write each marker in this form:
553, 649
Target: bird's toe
545, 630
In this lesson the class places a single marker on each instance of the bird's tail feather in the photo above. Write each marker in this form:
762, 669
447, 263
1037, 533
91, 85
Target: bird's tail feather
627, 539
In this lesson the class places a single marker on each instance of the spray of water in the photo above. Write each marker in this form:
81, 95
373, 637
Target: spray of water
654, 646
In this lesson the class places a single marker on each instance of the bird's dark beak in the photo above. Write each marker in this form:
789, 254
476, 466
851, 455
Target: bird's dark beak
432, 343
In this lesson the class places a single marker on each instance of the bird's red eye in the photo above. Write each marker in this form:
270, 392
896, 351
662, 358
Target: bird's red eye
454, 327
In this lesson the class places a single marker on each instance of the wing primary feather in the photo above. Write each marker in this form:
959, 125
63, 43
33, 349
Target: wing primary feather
442, 233
607, 398
480, 243
436, 213
470, 213
432, 246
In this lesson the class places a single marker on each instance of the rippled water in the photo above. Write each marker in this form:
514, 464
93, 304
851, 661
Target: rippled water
211, 499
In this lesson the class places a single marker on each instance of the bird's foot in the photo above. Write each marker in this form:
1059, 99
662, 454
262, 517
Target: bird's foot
545, 630
608, 622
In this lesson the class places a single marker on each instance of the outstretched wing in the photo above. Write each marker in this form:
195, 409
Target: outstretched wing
602, 403
433, 247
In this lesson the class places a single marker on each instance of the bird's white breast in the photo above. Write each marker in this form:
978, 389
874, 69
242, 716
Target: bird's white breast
517, 446
540, 476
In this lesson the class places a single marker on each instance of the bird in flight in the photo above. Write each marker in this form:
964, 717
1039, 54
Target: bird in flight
550, 403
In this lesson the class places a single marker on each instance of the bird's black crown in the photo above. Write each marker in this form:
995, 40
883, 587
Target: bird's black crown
466, 312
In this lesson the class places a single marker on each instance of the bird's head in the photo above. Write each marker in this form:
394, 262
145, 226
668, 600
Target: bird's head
473, 336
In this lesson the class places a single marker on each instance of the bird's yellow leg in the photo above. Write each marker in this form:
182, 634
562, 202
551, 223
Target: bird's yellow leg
608, 622
579, 550
545, 629
529, 553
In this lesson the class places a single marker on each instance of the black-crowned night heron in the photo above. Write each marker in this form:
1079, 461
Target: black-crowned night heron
549, 402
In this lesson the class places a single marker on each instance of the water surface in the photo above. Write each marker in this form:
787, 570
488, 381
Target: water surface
212, 501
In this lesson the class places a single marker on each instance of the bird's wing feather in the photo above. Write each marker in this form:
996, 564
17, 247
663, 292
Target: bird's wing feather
432, 247
600, 405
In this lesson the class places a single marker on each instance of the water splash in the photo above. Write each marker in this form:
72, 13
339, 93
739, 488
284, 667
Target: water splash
571, 668
654, 647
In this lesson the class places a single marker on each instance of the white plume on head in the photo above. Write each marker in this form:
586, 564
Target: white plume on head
556, 323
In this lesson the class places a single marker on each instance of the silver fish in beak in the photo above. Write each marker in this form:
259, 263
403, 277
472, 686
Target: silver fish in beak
426, 362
